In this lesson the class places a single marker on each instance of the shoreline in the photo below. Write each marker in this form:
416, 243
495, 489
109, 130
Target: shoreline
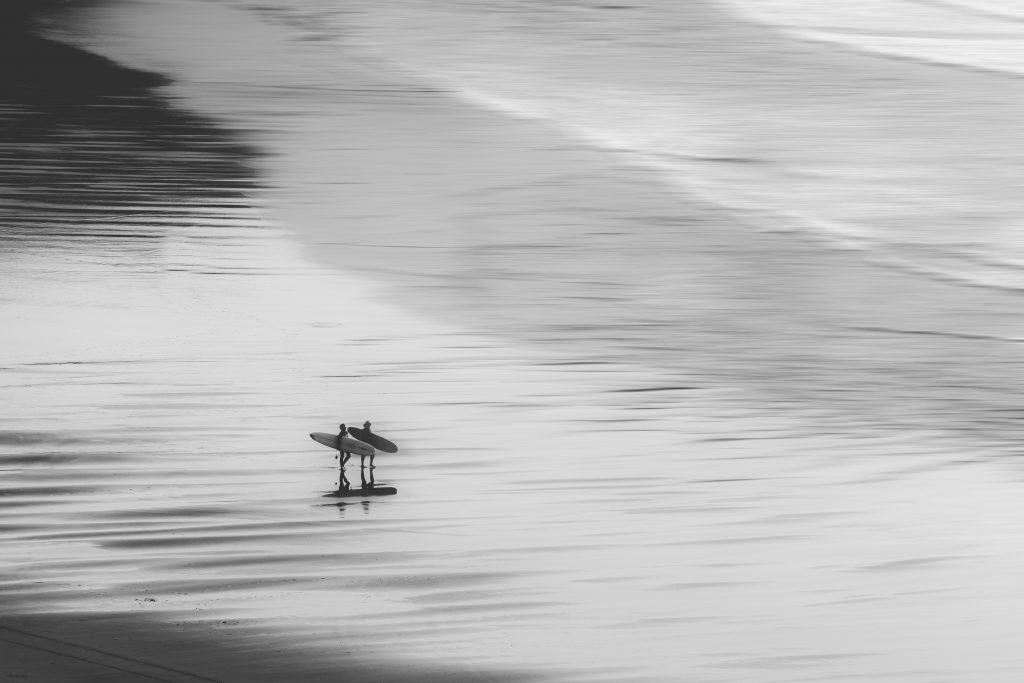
385, 176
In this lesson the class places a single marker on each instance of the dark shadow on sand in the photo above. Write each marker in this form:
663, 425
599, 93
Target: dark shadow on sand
89, 152
120, 647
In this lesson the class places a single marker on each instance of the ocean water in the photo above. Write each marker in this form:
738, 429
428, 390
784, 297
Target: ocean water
701, 342
885, 188
981, 35
912, 162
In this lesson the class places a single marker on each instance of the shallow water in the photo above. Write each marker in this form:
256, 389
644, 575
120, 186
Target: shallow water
977, 34
831, 228
912, 163
618, 462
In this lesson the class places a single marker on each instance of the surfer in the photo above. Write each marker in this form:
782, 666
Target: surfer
366, 428
375, 441
343, 457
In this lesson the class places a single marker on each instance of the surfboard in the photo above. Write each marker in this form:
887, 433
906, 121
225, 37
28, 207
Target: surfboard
375, 440
360, 492
347, 443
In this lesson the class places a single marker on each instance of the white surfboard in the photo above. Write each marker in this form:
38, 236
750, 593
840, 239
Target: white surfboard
347, 443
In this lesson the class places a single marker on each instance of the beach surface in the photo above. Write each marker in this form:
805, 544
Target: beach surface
641, 438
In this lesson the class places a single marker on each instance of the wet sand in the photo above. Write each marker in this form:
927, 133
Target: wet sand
127, 226
565, 511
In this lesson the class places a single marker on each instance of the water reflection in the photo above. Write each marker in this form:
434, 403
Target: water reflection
367, 485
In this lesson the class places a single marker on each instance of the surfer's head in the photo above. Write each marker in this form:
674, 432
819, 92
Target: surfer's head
366, 425
341, 426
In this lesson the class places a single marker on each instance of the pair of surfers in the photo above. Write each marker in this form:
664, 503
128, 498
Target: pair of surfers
343, 457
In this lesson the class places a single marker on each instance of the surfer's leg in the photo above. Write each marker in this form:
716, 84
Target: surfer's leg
362, 461
371, 461
343, 457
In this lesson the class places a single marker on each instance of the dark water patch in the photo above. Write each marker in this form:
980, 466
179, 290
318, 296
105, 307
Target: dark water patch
594, 480
858, 600
115, 361
41, 69
333, 560
493, 607
16, 504
625, 578
90, 235
910, 564
797, 518
52, 529
198, 391
545, 549
36, 459
745, 540
186, 512
151, 532
84, 472
41, 491
702, 585
652, 389
31, 438
414, 627
242, 528
570, 363
951, 334
190, 542
470, 465
607, 487
82, 139
221, 586
103, 647
419, 581
660, 510
613, 420
447, 597
790, 661
183, 405
744, 437
659, 621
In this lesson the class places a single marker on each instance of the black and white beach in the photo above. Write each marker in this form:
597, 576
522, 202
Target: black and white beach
698, 324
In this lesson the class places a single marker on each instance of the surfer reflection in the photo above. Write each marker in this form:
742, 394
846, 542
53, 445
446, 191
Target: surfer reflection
363, 484
343, 456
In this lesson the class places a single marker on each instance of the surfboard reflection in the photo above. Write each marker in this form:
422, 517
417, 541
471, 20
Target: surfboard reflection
367, 487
